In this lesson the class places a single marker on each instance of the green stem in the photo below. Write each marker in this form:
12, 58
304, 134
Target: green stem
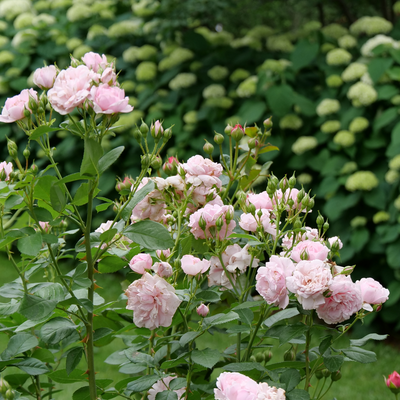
151, 345
326, 391
307, 352
238, 341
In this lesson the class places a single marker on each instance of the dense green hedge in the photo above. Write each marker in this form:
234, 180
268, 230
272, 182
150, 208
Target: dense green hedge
333, 93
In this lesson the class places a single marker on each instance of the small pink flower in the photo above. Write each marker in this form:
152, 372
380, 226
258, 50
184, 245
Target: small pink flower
260, 200
45, 226
198, 165
309, 250
193, 265
109, 100
5, 170
156, 129
95, 61
109, 76
217, 275
170, 167
335, 240
162, 269
140, 263
345, 300
249, 222
153, 302
393, 380
105, 226
267, 392
235, 258
372, 292
15, 106
202, 310
235, 386
163, 384
163, 254
45, 77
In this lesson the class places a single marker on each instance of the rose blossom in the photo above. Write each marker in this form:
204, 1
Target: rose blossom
336, 240
372, 292
193, 265
344, 301
393, 380
217, 275
109, 100
309, 281
95, 61
71, 88
202, 310
162, 269
235, 386
45, 77
140, 263
15, 106
163, 254
249, 222
45, 226
198, 166
163, 384
267, 392
309, 250
271, 281
5, 170
236, 258
153, 302
109, 76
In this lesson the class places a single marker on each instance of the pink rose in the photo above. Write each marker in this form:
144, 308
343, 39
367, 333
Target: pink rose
193, 265
393, 380
5, 170
202, 310
266, 392
105, 226
156, 129
45, 226
140, 263
217, 275
235, 386
71, 88
260, 200
372, 292
309, 281
335, 240
162, 269
109, 100
15, 106
198, 165
309, 250
236, 258
163, 384
95, 61
344, 301
249, 222
163, 254
153, 302
109, 76
45, 77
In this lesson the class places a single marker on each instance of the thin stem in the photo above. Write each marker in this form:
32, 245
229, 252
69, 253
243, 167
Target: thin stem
326, 391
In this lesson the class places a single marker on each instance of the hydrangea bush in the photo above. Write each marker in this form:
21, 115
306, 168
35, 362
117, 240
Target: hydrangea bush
209, 257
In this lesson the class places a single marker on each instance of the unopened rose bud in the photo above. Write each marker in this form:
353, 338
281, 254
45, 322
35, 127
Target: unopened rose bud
260, 357
27, 113
377, 307
167, 135
156, 162
145, 160
268, 123
126, 184
318, 374
144, 128
289, 355
202, 223
137, 135
218, 138
325, 226
251, 209
156, 130
12, 148
4, 385
170, 167
34, 169
32, 104
241, 196
9, 395
219, 223
237, 133
290, 203
326, 373
393, 382
26, 153
40, 110
267, 355
292, 182
300, 196
311, 203
228, 216
336, 376
306, 200
162, 269
253, 143
284, 184
297, 224
208, 148
202, 310
320, 221
252, 359
228, 130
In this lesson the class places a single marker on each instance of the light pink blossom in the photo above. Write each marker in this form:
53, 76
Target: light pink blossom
260, 200
266, 392
336, 240
153, 302
372, 291
192, 265
109, 76
202, 310
198, 166
45, 226
105, 226
309, 281
5, 170
345, 299
109, 100
249, 222
163, 254
163, 384
71, 88
235, 386
140, 263
45, 77
217, 275
309, 250
237, 258
95, 61
15, 106
162, 269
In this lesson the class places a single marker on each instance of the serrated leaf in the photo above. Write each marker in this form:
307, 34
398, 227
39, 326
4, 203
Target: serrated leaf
57, 329
292, 332
208, 296
333, 363
188, 337
325, 344
244, 366
360, 355
111, 264
57, 198
61, 376
206, 358
166, 395
220, 319
143, 383
298, 394
108, 159
91, 156
40, 131
291, 378
34, 307
362, 341
82, 393
137, 198
281, 315
73, 358
32, 366
30, 245
19, 343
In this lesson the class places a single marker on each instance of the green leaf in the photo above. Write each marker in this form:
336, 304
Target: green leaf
42, 214
177, 383
292, 332
12, 201
248, 304
61, 376
57, 198
82, 195
324, 345
360, 355
298, 394
393, 255
132, 368
208, 296
280, 316
40, 131
143, 383
111, 264
359, 238
167, 395
91, 156
73, 358
206, 358
18, 344
333, 363
244, 366
9, 308
378, 66
44, 355
50, 291
251, 111
137, 198
251, 131
188, 337
150, 235
100, 333
42, 187
56, 330
30, 245
108, 235
82, 393
291, 378
32, 366
34, 307
108, 159
362, 341
220, 319
303, 54
280, 99
385, 118
386, 92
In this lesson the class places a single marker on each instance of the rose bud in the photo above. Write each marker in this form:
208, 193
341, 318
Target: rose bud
202, 310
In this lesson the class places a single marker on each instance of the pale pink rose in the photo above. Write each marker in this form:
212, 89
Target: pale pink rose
203, 187
177, 182
153, 302
148, 208
45, 77
95, 61
109, 100
266, 392
198, 165
217, 275
109, 76
163, 254
163, 384
162, 269
71, 88
45, 226
345, 300
15, 106
105, 226
140, 263
235, 386
202, 310
210, 214
372, 291
260, 200
235, 258
156, 129
249, 222
336, 240
307, 233
309, 281
5, 170
309, 250
193, 265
